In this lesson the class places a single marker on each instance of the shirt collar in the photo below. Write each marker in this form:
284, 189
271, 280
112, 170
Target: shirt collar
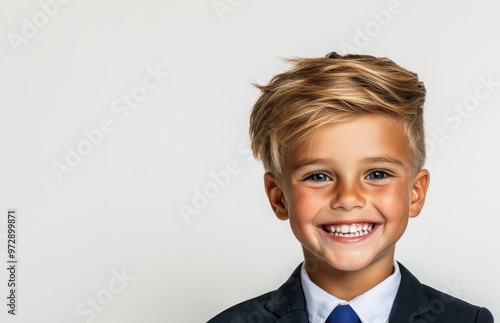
374, 306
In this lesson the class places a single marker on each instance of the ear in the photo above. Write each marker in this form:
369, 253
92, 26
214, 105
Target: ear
276, 196
418, 192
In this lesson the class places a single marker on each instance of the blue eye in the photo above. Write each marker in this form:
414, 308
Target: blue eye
319, 177
377, 175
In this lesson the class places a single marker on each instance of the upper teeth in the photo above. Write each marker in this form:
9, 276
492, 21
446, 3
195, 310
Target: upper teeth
353, 230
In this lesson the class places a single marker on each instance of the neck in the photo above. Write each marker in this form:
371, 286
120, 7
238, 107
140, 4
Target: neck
344, 284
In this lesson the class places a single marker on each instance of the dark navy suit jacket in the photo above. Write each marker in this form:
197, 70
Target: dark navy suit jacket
414, 303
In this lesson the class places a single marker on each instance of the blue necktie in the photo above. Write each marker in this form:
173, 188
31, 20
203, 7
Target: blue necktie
343, 314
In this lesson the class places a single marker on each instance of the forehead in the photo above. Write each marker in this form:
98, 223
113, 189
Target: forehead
361, 138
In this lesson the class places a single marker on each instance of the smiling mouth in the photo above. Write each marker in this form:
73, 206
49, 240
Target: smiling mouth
349, 230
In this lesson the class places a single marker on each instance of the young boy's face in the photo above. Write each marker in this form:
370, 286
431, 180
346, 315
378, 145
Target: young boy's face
356, 179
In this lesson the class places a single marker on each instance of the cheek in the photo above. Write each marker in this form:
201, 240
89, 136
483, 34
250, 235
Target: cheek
392, 201
304, 205
306, 201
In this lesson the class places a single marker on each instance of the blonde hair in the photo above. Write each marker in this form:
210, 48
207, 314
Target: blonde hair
320, 91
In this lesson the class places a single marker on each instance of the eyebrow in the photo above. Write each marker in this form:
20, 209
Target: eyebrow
385, 160
307, 161
319, 161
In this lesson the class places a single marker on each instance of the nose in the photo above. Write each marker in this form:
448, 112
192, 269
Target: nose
348, 195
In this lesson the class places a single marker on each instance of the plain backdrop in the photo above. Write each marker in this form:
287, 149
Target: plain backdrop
163, 218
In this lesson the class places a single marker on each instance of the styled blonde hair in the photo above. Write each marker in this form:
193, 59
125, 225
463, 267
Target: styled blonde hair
320, 91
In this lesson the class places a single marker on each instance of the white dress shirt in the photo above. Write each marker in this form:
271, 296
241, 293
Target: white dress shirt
374, 306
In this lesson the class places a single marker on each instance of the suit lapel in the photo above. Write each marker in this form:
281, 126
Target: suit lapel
289, 305
411, 301
288, 301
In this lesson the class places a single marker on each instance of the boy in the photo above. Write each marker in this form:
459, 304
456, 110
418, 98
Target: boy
342, 141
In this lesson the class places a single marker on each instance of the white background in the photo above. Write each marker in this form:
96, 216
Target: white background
119, 208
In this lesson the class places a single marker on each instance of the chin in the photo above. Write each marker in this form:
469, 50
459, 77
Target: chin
349, 265
352, 262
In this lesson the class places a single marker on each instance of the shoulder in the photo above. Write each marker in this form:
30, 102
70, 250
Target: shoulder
454, 309
252, 310
286, 304
420, 303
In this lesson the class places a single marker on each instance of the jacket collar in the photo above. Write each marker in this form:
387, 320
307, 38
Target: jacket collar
289, 305
288, 302
411, 300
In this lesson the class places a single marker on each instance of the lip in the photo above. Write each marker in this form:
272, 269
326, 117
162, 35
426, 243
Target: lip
350, 222
348, 239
